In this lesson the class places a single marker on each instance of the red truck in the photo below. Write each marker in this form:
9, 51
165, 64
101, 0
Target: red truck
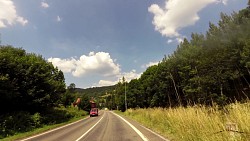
93, 110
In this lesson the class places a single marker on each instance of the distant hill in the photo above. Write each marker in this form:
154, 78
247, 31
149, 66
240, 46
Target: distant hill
95, 91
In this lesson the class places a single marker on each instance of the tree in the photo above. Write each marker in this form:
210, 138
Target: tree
68, 98
29, 82
85, 104
71, 87
211, 68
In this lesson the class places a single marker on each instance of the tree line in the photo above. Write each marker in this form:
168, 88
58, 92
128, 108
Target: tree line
27, 81
33, 93
211, 68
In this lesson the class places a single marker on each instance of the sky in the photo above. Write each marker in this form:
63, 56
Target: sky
97, 42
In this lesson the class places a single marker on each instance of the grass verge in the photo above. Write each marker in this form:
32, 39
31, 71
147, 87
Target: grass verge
198, 123
72, 111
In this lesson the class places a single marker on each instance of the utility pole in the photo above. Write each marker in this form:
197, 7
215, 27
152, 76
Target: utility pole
126, 106
125, 94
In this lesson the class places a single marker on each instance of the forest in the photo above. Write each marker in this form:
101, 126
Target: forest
207, 69
211, 68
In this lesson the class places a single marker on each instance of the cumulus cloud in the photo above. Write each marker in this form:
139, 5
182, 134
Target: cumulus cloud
130, 75
8, 14
44, 5
127, 75
99, 63
65, 65
177, 14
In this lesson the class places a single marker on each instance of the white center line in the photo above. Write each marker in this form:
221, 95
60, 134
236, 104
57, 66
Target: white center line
88, 130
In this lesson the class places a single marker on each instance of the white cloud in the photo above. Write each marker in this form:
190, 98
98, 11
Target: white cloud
95, 63
178, 14
44, 5
127, 75
150, 64
224, 2
58, 18
22, 21
179, 39
99, 63
170, 41
106, 83
65, 65
8, 14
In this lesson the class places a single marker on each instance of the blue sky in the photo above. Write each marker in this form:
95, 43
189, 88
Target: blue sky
97, 42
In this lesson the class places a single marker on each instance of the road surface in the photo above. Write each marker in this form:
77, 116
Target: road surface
108, 126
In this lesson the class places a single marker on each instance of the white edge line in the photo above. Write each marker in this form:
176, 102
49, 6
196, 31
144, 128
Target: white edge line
52, 130
136, 130
89, 130
154, 133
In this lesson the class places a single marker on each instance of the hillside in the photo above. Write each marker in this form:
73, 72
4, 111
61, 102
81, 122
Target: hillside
95, 91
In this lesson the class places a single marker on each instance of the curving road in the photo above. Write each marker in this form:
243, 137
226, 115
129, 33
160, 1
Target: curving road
108, 126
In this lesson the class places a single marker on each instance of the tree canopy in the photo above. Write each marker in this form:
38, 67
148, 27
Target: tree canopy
207, 69
27, 81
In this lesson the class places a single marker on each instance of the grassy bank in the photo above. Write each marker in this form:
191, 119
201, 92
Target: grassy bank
198, 123
56, 117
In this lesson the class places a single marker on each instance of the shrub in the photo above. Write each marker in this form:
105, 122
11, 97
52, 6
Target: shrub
21, 121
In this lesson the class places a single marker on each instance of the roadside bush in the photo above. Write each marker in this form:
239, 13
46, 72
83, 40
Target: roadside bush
36, 120
21, 121
62, 114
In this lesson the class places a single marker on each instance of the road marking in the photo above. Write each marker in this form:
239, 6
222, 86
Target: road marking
154, 133
51, 130
132, 126
88, 130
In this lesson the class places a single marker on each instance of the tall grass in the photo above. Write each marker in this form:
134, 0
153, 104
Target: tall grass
198, 123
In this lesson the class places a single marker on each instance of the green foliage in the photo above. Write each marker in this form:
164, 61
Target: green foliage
208, 69
68, 98
18, 122
85, 104
28, 82
98, 93
95, 91
21, 121
36, 118
71, 87
59, 115
29, 86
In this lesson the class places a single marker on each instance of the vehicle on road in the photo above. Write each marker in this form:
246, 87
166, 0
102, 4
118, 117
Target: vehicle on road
93, 112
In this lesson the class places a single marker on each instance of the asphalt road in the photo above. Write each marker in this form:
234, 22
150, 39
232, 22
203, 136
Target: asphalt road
108, 126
